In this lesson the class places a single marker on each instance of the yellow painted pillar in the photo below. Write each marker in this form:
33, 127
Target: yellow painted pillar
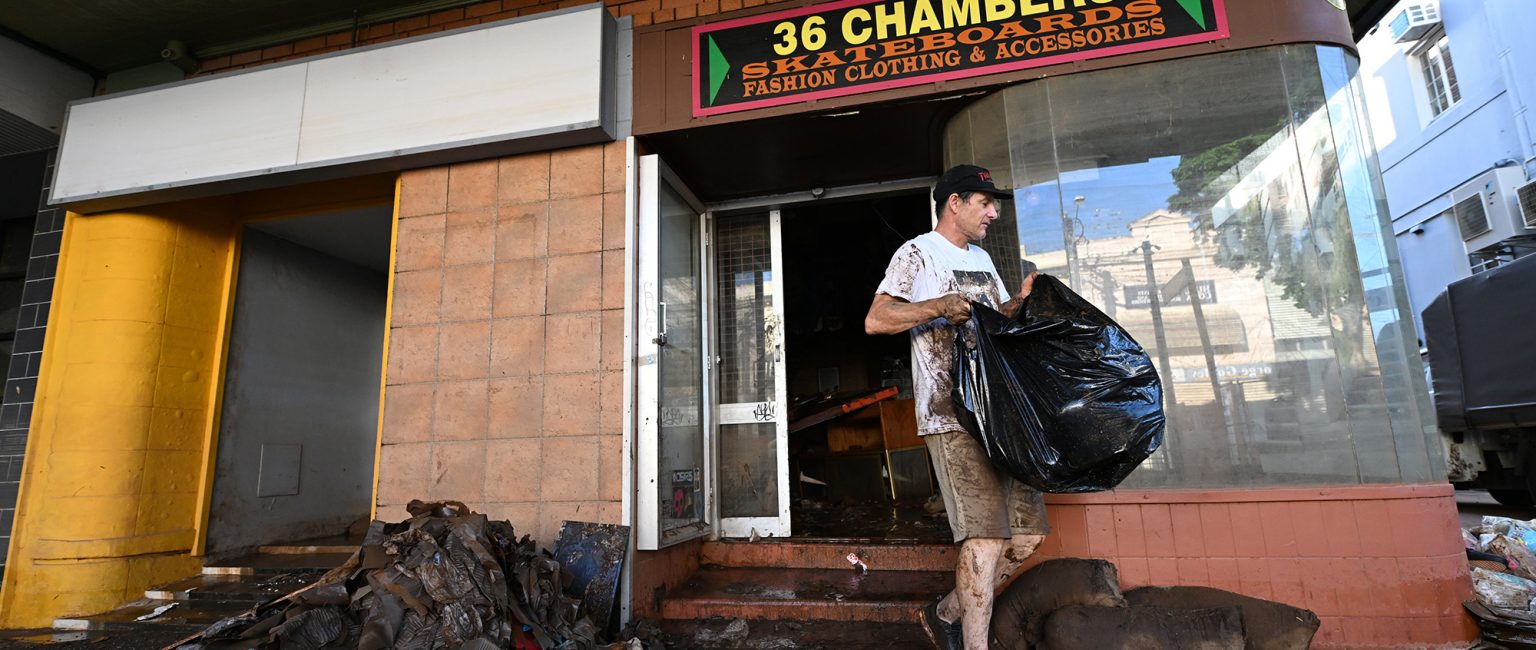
118, 477
120, 428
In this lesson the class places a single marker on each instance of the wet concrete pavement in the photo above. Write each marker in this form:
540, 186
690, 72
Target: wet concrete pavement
1471, 505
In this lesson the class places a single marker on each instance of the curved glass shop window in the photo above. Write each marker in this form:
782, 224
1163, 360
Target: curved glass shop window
1227, 211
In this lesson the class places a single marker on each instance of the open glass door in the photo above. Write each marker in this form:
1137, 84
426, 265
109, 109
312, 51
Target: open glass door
673, 502
752, 430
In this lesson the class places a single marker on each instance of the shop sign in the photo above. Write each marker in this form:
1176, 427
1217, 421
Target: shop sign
1139, 296
857, 46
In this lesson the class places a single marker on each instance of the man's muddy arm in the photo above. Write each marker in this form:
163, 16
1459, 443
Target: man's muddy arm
892, 315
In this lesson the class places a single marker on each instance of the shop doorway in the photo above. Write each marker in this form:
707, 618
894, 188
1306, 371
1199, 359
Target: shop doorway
856, 469
299, 416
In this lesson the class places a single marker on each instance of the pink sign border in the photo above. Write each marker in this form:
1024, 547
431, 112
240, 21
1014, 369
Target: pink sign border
1221, 32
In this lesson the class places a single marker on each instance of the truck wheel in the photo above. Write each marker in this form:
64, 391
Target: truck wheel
1512, 498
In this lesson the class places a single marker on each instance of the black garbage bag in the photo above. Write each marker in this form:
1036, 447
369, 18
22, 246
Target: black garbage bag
1061, 398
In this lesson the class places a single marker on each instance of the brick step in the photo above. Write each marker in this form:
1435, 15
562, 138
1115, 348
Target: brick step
181, 616
843, 635
829, 555
235, 588
779, 594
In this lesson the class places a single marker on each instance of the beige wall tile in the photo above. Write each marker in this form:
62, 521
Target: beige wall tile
574, 283
524, 178
523, 515
610, 512
418, 297
611, 413
522, 230
420, 244
553, 513
520, 287
462, 411
465, 351
576, 172
423, 191
613, 280
615, 231
472, 185
612, 353
485, 216
513, 470
610, 467
568, 404
408, 413
569, 466
576, 224
412, 354
517, 346
517, 407
572, 342
467, 292
614, 160
469, 245
403, 471
458, 471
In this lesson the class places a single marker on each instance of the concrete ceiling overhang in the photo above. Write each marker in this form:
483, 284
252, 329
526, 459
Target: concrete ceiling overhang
106, 36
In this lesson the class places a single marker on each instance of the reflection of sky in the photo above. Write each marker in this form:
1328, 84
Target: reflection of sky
1112, 198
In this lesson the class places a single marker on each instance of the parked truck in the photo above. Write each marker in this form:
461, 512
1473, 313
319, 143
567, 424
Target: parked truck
1481, 340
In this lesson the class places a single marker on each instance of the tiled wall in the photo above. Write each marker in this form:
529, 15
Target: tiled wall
505, 370
1382, 566
27, 357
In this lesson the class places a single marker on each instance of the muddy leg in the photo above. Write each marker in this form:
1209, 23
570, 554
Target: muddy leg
1020, 547
975, 575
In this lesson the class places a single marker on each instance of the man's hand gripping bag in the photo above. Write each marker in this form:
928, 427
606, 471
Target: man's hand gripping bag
1061, 398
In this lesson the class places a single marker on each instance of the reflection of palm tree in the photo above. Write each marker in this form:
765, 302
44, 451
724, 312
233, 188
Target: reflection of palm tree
1288, 239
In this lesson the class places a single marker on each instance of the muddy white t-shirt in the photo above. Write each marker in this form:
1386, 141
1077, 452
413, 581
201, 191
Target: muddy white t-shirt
926, 267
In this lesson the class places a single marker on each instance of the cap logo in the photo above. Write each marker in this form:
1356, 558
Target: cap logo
986, 176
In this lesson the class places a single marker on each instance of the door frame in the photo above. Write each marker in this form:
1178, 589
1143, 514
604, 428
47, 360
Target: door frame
651, 173
778, 525
776, 205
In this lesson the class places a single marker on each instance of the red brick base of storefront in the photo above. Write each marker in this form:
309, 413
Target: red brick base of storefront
1381, 565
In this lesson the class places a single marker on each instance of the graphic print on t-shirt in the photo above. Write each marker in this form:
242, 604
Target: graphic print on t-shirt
976, 286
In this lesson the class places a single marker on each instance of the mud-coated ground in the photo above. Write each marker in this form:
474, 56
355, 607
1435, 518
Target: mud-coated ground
65, 640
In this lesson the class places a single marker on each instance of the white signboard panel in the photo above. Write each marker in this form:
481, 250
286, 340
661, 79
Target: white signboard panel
475, 86
183, 133
521, 85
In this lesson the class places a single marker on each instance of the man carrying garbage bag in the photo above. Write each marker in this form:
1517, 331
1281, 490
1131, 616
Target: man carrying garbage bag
928, 288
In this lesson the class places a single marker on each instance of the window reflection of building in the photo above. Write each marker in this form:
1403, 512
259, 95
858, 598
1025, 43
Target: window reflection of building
1123, 179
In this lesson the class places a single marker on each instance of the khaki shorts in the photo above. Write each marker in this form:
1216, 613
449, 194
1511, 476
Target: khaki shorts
981, 500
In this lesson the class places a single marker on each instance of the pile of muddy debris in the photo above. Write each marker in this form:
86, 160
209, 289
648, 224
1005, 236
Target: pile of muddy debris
1076, 604
1501, 553
447, 577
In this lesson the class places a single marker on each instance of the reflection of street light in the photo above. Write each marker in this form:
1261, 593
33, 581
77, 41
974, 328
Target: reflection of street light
1069, 238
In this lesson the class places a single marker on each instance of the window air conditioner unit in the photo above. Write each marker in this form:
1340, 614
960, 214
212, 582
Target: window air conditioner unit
1413, 21
1527, 195
1489, 211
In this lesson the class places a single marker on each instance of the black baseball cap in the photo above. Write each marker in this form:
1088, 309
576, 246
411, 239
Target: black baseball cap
966, 178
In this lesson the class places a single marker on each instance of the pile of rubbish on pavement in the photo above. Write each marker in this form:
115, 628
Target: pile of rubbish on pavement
1076, 604
447, 577
1500, 552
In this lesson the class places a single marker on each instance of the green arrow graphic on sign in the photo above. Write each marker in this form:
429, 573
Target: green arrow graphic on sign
718, 67
1193, 8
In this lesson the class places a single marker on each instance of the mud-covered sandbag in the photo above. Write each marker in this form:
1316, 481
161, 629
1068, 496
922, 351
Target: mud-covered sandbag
1267, 625
1018, 612
1086, 627
1061, 397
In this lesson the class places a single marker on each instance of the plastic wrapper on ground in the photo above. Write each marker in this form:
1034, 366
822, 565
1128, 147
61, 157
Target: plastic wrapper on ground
1061, 397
